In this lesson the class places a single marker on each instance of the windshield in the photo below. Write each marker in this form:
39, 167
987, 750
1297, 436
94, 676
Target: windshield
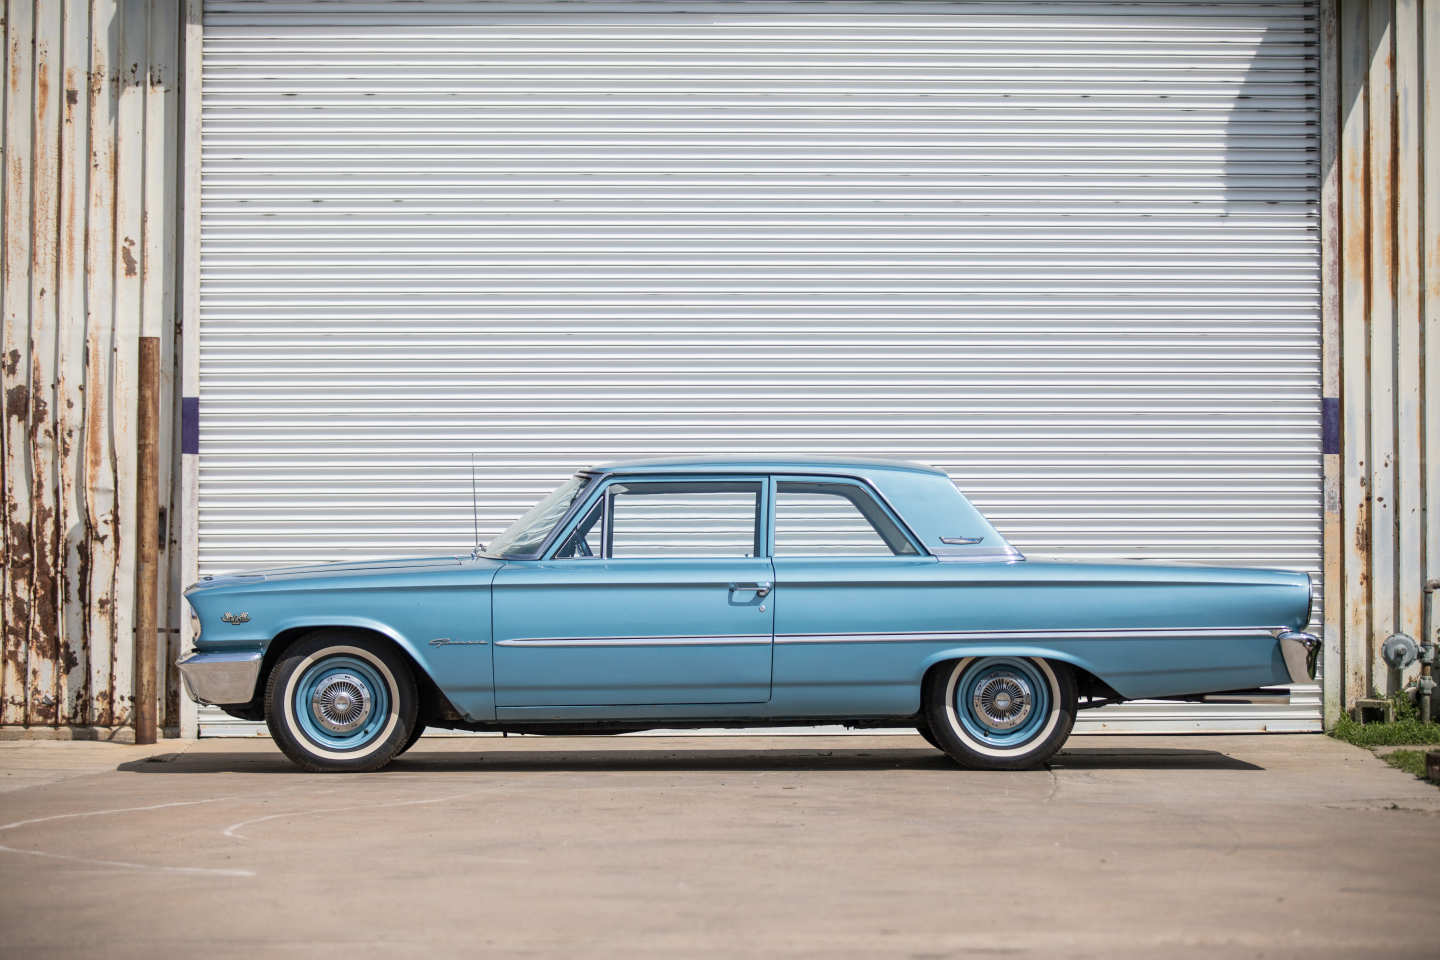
525, 535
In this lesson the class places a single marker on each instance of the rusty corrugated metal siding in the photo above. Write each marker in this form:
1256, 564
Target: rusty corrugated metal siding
90, 142
1388, 131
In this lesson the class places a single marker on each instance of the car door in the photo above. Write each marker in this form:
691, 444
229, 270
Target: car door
659, 594
850, 580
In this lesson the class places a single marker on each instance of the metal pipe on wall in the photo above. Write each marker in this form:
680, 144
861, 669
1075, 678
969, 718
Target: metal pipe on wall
1428, 641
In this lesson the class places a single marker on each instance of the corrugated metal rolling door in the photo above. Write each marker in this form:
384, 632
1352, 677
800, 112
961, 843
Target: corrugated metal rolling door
1067, 251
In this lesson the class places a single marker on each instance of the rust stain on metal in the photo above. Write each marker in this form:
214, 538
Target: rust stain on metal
44, 639
40, 419
42, 81
128, 256
44, 632
17, 401
1362, 530
18, 552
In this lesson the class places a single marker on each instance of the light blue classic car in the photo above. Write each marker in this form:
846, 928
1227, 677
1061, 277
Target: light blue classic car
734, 593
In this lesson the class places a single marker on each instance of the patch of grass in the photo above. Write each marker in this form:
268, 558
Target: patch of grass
1407, 731
1411, 761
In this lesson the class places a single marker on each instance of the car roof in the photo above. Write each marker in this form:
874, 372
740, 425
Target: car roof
795, 465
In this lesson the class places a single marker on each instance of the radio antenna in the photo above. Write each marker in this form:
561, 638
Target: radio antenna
475, 509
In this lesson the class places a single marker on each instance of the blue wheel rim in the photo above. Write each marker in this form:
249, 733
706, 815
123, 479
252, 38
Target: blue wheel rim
978, 725
327, 669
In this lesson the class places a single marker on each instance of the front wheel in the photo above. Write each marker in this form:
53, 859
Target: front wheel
1000, 713
338, 702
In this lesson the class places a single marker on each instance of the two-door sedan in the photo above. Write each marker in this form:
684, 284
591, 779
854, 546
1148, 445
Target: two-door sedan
734, 593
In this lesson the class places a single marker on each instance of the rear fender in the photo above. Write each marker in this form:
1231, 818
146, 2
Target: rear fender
1007, 650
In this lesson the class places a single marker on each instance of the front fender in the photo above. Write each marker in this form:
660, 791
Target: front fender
233, 674
459, 667
307, 623
439, 616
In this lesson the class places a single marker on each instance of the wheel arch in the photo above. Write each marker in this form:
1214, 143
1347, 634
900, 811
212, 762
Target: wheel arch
1087, 681
434, 705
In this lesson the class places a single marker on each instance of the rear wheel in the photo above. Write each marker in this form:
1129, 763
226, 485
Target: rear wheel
338, 702
1000, 713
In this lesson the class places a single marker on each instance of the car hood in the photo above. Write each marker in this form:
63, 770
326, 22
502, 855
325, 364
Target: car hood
344, 570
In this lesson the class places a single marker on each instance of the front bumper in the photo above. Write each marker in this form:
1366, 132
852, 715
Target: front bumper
222, 677
1301, 652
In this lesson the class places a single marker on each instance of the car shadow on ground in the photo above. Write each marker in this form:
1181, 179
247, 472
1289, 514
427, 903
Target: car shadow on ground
642, 759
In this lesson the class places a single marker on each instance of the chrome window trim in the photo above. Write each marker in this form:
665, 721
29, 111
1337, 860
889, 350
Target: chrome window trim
582, 497
1005, 554
599, 480
865, 485
600, 490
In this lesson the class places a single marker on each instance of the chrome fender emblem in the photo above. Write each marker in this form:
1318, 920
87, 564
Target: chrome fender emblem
241, 617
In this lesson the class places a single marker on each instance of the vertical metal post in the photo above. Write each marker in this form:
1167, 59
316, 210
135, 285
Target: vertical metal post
147, 534
187, 322
1354, 69
1332, 585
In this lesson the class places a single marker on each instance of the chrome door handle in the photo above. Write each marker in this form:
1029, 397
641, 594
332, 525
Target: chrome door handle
761, 589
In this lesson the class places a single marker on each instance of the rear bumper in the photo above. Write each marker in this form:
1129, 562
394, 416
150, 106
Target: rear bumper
1301, 652
222, 677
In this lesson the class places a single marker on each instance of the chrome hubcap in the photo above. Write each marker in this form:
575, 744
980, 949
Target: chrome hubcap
1004, 700
341, 703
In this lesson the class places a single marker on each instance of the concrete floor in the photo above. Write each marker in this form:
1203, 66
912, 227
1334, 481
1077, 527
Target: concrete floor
1262, 846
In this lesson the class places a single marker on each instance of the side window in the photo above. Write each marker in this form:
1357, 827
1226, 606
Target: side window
834, 520
682, 519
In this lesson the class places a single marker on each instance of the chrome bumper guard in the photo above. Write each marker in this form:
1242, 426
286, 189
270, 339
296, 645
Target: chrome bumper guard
1301, 652
222, 677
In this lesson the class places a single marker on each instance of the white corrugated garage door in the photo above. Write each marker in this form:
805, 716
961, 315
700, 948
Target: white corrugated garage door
1067, 251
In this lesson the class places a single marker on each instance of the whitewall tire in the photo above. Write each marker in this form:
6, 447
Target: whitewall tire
339, 702
1000, 713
